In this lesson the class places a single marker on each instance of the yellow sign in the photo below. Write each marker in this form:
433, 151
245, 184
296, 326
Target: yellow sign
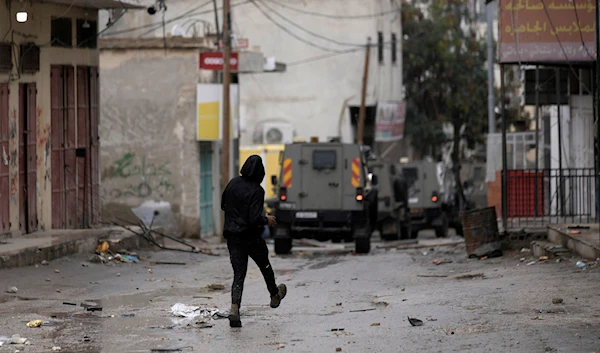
209, 115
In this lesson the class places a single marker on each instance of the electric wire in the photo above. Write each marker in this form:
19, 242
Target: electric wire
581, 34
292, 34
339, 17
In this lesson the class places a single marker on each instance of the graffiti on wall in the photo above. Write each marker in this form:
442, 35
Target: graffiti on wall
142, 178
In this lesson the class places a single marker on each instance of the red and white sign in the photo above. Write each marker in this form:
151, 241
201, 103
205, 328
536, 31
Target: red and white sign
214, 61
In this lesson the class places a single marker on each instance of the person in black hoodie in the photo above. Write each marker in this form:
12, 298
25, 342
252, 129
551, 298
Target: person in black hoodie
245, 218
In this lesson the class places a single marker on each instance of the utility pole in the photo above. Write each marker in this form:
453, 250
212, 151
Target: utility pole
362, 112
597, 106
226, 106
490, 57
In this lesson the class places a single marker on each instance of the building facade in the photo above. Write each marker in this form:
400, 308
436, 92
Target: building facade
323, 43
49, 102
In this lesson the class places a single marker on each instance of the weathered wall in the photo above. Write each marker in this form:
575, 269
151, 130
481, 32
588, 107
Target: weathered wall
148, 145
37, 30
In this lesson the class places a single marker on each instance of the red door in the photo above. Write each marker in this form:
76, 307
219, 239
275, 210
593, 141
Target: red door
27, 157
4, 155
64, 166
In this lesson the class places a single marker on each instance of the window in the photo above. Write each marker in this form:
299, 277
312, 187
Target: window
410, 175
62, 32
380, 46
394, 48
5, 57
30, 58
87, 33
324, 160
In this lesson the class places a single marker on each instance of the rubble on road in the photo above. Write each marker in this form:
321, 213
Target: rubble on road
12, 290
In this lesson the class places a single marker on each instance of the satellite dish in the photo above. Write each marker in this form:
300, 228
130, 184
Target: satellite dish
177, 31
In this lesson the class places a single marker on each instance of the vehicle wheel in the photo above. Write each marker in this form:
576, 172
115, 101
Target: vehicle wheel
405, 231
414, 233
363, 245
283, 245
459, 230
442, 230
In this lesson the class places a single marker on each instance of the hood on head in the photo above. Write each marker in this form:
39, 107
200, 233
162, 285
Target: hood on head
254, 169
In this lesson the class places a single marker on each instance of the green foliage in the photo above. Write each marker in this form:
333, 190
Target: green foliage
445, 75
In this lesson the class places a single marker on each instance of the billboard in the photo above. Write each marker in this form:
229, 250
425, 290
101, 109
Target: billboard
214, 61
209, 115
538, 31
389, 123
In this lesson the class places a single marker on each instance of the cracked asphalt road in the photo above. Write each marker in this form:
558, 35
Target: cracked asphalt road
499, 305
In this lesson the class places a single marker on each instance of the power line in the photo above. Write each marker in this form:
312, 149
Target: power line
283, 28
310, 32
581, 34
322, 57
339, 17
189, 13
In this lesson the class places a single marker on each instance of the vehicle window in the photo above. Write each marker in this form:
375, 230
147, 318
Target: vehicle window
324, 160
410, 175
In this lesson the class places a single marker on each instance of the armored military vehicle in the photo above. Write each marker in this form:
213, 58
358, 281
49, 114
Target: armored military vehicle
324, 194
393, 218
432, 197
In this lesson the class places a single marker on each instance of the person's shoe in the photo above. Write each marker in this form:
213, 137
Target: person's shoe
234, 316
276, 299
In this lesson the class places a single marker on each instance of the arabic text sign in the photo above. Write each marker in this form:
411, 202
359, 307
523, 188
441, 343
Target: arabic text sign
534, 30
390, 121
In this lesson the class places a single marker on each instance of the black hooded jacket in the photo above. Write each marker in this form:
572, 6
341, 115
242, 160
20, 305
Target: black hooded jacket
243, 200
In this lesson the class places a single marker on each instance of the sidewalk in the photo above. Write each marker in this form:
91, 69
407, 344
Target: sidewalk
33, 248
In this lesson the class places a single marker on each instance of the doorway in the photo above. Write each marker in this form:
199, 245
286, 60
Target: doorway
28, 158
207, 225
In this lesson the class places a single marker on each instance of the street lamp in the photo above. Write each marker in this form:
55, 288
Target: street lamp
22, 16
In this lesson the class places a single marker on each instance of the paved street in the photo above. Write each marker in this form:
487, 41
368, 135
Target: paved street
505, 307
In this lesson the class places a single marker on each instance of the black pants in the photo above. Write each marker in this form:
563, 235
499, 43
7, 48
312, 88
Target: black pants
242, 246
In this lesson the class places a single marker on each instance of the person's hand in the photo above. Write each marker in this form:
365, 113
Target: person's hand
271, 220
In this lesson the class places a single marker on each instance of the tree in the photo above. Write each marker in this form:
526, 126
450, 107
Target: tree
445, 76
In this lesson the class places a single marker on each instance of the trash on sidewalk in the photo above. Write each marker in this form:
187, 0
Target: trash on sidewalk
337, 329
557, 300
12, 290
415, 322
70, 303
376, 324
543, 258
193, 315
127, 315
16, 339
35, 323
126, 258
167, 263
531, 263
581, 264
89, 306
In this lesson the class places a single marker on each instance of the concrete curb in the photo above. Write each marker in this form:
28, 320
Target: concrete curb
60, 244
581, 246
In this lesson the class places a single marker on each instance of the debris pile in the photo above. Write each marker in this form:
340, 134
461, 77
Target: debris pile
104, 255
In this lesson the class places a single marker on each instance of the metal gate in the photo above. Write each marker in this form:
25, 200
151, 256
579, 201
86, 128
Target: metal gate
4, 153
207, 226
28, 157
64, 185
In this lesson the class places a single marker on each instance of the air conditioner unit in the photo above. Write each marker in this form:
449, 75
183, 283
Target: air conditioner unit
274, 133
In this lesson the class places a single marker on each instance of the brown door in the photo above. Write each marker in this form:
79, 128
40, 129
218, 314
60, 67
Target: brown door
83, 157
94, 144
27, 157
64, 166
4, 155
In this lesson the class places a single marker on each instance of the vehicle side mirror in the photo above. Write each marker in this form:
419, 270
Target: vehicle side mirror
274, 179
374, 180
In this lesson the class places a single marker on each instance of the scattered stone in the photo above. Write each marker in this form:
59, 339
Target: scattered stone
12, 290
118, 274
338, 349
48, 280
56, 349
83, 264
470, 276
557, 301
543, 258
150, 271
56, 270
525, 250
338, 304
34, 323
216, 287
16, 339
45, 263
